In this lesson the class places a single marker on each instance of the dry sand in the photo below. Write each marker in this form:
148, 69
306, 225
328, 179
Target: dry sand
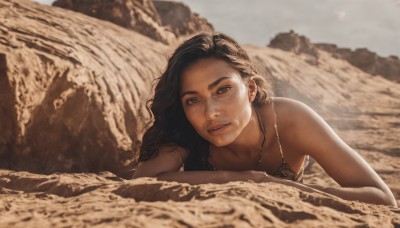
63, 200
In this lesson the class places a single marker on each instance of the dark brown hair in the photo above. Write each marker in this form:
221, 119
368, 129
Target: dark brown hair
169, 125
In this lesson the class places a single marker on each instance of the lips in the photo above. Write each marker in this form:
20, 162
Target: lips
217, 128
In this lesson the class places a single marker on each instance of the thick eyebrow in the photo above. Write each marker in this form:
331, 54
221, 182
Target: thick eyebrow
212, 85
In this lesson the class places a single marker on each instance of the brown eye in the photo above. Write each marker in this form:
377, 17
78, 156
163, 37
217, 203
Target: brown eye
223, 89
191, 101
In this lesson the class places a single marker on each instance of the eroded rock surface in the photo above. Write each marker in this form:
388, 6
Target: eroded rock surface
136, 15
362, 58
180, 19
163, 21
366, 60
72, 89
295, 43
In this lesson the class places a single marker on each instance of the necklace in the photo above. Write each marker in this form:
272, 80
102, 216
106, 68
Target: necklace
260, 150
261, 125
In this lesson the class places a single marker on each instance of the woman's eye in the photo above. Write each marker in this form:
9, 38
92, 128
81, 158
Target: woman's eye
223, 89
191, 101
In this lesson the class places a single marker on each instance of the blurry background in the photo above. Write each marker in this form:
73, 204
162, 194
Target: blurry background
374, 24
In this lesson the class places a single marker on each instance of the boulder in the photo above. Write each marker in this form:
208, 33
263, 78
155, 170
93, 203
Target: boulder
295, 43
73, 90
180, 19
138, 15
162, 21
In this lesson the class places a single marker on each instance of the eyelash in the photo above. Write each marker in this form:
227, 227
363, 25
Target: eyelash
221, 90
187, 101
224, 89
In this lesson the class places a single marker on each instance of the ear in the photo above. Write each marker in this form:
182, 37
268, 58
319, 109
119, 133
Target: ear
252, 89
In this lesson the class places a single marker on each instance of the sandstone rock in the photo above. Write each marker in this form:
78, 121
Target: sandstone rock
294, 43
72, 89
163, 21
366, 60
361, 58
137, 15
180, 19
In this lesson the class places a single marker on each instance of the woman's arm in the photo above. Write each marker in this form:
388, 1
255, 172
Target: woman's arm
166, 165
309, 134
168, 162
221, 177
371, 195
168, 159
205, 177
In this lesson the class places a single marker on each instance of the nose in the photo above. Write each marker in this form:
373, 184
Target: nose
211, 110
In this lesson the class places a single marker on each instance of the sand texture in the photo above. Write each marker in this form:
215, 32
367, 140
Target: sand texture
72, 109
30, 200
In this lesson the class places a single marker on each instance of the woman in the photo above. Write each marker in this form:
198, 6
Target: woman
214, 115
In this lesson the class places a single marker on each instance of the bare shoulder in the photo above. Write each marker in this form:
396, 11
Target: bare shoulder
290, 113
299, 125
290, 106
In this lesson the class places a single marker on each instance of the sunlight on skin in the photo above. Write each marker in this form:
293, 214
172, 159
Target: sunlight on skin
211, 94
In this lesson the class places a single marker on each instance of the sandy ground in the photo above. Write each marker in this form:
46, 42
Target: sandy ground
78, 200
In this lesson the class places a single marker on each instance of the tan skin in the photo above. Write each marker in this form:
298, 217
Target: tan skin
218, 104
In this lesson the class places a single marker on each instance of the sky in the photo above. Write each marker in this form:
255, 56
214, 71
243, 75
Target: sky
374, 24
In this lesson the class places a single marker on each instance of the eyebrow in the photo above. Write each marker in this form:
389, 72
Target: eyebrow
212, 85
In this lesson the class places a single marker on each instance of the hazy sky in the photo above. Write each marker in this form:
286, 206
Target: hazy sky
374, 24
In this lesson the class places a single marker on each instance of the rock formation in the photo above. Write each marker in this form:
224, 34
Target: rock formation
295, 43
180, 19
361, 58
73, 89
366, 60
163, 21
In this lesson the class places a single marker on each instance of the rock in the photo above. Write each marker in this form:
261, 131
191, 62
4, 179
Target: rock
73, 90
361, 58
366, 60
163, 21
294, 43
180, 19
138, 15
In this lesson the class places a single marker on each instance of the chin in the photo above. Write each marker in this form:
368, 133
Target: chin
219, 142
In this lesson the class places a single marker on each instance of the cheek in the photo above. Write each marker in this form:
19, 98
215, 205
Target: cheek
241, 108
194, 118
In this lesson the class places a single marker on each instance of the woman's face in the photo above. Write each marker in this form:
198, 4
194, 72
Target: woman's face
216, 100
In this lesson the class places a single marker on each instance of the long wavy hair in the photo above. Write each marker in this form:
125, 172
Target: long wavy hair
168, 124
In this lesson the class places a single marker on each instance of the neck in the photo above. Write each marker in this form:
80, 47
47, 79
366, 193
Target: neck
251, 138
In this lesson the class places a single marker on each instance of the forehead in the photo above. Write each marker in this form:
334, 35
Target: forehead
205, 71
